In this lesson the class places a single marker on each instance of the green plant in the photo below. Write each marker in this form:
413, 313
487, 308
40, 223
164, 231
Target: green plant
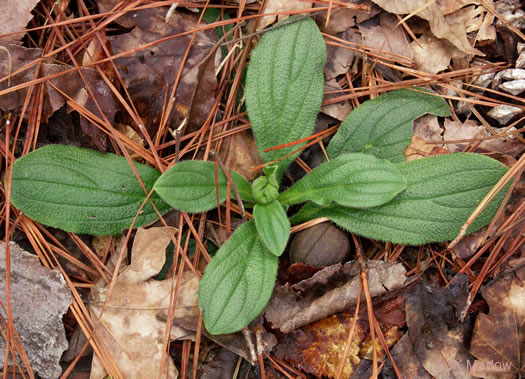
365, 188
83, 191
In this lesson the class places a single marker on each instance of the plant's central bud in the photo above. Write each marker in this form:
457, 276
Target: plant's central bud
265, 189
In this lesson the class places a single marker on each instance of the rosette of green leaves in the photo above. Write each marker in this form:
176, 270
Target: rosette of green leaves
365, 188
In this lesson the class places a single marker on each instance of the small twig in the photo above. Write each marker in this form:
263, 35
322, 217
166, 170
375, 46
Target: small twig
348, 343
197, 346
170, 12
214, 155
369, 308
259, 341
249, 343
9, 65
177, 134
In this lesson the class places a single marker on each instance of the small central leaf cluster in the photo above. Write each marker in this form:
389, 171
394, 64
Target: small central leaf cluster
265, 189
247, 263
365, 187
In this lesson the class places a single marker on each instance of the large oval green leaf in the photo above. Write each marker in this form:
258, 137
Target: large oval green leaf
83, 191
442, 192
272, 225
238, 282
190, 186
383, 126
353, 180
284, 87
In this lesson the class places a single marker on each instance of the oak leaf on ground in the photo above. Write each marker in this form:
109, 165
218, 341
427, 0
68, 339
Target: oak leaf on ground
129, 325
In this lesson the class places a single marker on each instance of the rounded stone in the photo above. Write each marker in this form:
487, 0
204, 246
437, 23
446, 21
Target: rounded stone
321, 245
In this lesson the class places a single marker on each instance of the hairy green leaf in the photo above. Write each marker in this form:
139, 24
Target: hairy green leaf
383, 126
442, 192
83, 191
272, 225
238, 282
190, 186
284, 87
353, 180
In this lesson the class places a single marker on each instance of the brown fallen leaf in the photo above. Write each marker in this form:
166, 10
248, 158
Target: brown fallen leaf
339, 61
18, 56
71, 84
129, 132
385, 34
240, 153
406, 361
273, 6
512, 147
149, 74
391, 335
438, 338
234, 342
468, 246
428, 128
129, 325
14, 17
470, 16
451, 6
419, 148
221, 366
330, 290
487, 31
442, 26
39, 299
390, 311
318, 348
498, 340
342, 19
299, 271
339, 110
427, 131
340, 58
433, 55
455, 130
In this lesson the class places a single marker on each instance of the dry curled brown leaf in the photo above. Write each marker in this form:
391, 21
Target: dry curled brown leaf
330, 290
342, 19
273, 6
437, 336
386, 35
14, 17
150, 73
433, 55
129, 325
241, 155
406, 361
498, 340
442, 26
58, 91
